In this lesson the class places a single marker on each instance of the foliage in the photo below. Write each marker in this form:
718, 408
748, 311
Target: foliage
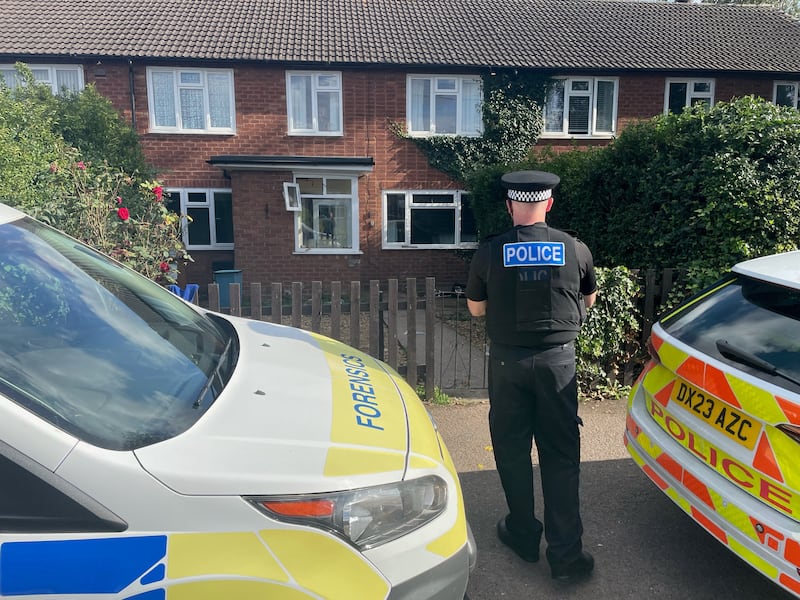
512, 120
791, 7
439, 397
698, 191
609, 338
101, 202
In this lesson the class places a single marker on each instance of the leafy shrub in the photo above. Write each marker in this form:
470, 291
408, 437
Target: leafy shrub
608, 340
112, 203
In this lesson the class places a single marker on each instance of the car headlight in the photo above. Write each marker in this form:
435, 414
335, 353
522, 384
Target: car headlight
367, 517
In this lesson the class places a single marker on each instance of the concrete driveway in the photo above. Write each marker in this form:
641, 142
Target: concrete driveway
644, 545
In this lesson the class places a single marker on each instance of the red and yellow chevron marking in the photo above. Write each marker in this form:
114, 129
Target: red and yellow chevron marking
772, 472
707, 502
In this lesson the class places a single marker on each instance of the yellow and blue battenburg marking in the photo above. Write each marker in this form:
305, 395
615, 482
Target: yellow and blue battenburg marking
85, 566
274, 564
534, 254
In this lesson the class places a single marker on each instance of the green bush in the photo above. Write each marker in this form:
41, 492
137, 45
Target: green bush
95, 185
608, 340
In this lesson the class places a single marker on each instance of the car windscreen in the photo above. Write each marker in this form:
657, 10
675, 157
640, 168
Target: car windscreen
750, 324
98, 350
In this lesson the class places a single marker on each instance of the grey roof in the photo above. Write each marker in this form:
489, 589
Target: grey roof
545, 34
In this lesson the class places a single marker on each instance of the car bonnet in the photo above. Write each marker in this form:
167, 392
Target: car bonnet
302, 414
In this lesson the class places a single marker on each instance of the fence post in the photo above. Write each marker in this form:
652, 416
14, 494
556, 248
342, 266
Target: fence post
411, 333
213, 296
391, 324
649, 304
316, 305
355, 314
336, 310
430, 335
255, 301
375, 325
297, 304
235, 295
277, 303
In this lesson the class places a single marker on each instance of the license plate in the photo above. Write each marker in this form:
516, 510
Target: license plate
719, 415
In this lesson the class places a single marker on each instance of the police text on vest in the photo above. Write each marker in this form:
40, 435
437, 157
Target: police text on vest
534, 254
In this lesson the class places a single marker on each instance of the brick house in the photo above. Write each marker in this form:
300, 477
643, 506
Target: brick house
270, 120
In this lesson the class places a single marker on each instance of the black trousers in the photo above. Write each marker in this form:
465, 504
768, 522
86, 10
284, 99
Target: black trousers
533, 394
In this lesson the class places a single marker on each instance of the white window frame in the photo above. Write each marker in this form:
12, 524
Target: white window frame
209, 204
691, 94
328, 198
410, 207
202, 85
47, 74
796, 94
320, 83
592, 94
443, 86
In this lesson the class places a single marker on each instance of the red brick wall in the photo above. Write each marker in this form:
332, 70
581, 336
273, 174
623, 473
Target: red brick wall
372, 100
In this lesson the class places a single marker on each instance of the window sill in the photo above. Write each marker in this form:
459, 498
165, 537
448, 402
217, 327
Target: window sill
561, 136
328, 251
316, 133
471, 246
191, 132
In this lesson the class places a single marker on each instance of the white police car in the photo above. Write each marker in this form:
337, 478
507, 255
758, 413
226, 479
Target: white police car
152, 450
714, 419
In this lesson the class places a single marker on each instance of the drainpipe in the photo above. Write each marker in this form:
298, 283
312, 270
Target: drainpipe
133, 97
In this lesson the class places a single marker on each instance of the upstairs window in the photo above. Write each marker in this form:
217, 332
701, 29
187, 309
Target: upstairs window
314, 102
444, 105
210, 222
428, 219
191, 100
585, 106
786, 93
688, 92
60, 78
326, 222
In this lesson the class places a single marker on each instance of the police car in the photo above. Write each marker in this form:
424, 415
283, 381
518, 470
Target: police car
153, 450
714, 419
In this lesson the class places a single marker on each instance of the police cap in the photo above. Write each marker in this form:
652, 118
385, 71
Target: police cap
529, 186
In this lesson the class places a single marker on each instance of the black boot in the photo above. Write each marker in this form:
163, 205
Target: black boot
526, 548
574, 569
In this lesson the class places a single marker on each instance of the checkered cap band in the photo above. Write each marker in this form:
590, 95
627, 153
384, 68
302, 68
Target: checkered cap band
538, 196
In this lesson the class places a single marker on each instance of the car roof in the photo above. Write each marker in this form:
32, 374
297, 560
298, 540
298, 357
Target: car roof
782, 269
8, 214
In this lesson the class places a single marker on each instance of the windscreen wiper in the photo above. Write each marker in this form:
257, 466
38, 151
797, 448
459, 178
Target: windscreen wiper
214, 374
730, 351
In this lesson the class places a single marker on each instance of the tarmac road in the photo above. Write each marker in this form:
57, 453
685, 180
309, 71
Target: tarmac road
644, 546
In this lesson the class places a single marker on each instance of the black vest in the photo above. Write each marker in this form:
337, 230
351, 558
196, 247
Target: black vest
534, 305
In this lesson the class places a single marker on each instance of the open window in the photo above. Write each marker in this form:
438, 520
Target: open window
291, 195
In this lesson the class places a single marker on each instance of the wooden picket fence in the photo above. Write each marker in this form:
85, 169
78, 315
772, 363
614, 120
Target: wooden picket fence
379, 318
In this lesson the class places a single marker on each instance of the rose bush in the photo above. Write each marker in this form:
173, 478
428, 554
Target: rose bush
106, 203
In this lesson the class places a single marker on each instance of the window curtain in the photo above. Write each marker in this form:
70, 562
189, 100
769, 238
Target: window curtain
192, 112
420, 105
300, 89
471, 121
69, 79
219, 100
605, 107
554, 109
164, 99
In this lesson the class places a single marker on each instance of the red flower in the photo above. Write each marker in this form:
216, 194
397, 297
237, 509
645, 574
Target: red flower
123, 213
159, 192
164, 267
81, 165
119, 199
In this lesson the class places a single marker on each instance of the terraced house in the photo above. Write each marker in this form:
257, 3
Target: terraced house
273, 121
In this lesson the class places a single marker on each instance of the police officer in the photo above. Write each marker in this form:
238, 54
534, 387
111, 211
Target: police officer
534, 284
